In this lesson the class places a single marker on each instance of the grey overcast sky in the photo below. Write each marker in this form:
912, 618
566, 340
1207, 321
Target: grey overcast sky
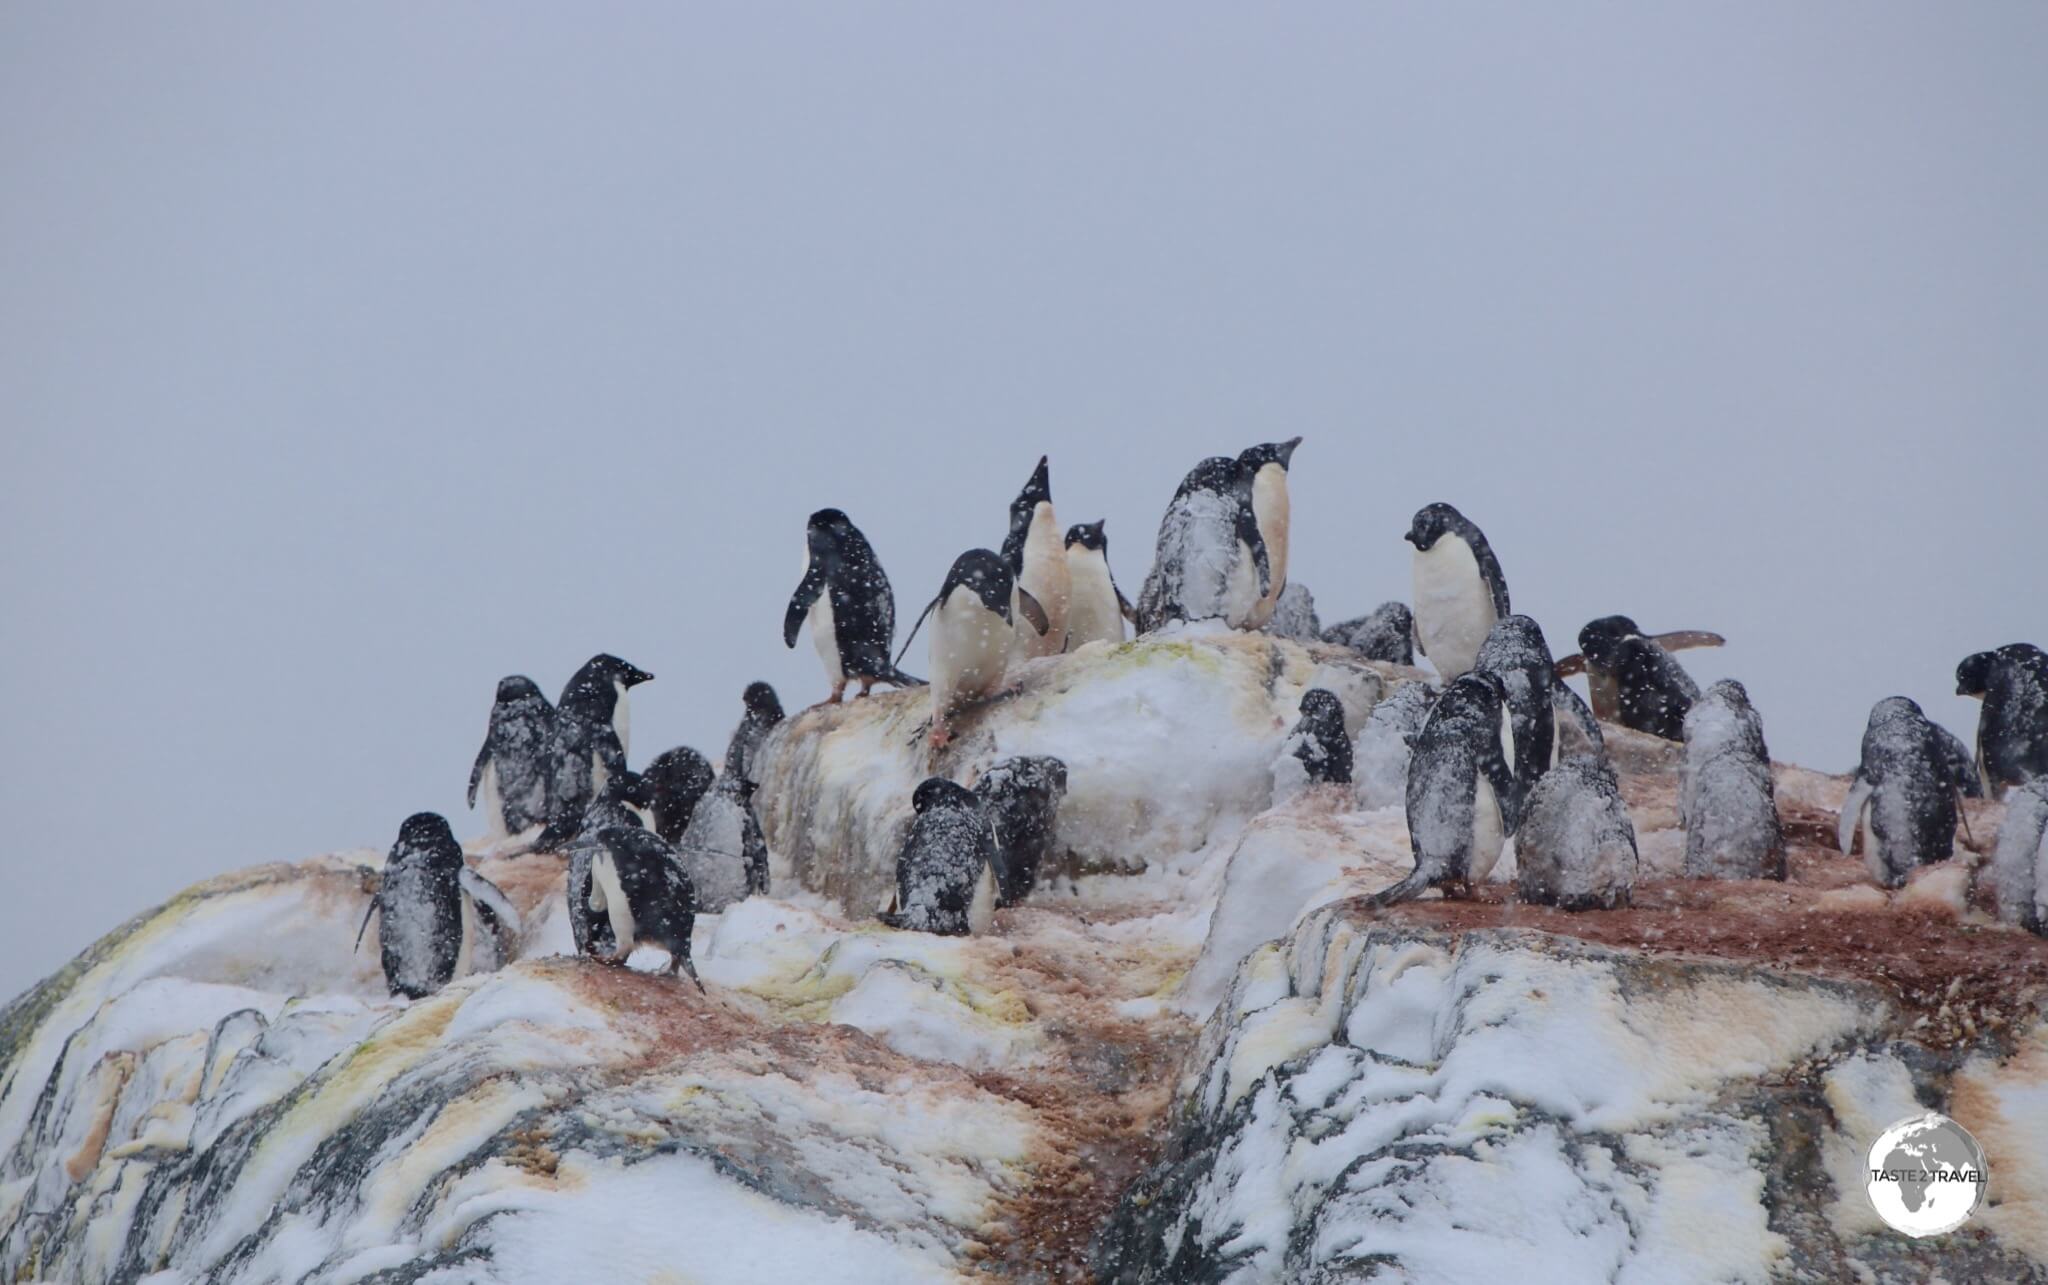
354, 356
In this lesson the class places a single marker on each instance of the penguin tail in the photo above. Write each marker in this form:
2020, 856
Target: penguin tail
553, 837
683, 964
890, 918
1407, 890
901, 679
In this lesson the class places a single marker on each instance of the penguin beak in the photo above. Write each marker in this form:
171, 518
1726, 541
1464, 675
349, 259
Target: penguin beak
636, 677
1039, 489
1287, 451
1410, 538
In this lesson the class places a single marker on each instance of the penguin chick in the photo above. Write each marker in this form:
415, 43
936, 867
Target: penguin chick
1021, 797
1726, 801
945, 873
512, 768
1576, 847
722, 850
1387, 633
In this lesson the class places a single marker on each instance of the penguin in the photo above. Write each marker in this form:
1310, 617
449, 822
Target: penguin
945, 872
1961, 764
511, 769
437, 919
1038, 566
763, 712
1265, 467
1460, 794
2019, 866
1727, 804
591, 930
1632, 678
1903, 795
1576, 847
1096, 608
1516, 652
1319, 742
851, 609
676, 780
722, 850
1021, 798
1578, 732
1459, 588
592, 731
643, 896
1294, 615
971, 627
1379, 760
2012, 731
1211, 562
1387, 633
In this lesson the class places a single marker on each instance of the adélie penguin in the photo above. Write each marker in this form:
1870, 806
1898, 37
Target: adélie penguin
590, 930
723, 851
1038, 564
851, 609
1460, 794
1516, 652
1632, 678
511, 770
1211, 562
1576, 847
1726, 801
1459, 588
644, 897
677, 780
1096, 608
763, 712
1319, 741
1265, 468
1021, 797
971, 626
592, 731
2012, 730
945, 872
1386, 633
436, 918
1904, 795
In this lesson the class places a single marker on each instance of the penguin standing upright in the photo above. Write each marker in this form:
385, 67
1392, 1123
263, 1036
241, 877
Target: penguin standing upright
2019, 865
1632, 677
590, 930
1903, 795
847, 600
1459, 588
1265, 468
436, 918
592, 731
2012, 731
945, 872
1211, 562
1038, 566
1726, 801
1516, 652
763, 712
511, 769
677, 780
1096, 608
1380, 757
1021, 797
1386, 633
1319, 742
1576, 847
1460, 793
643, 896
722, 850
971, 627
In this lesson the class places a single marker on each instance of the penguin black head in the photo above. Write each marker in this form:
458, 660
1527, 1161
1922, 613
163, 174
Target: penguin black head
517, 687
1431, 522
630, 788
428, 833
1037, 491
1600, 641
938, 792
762, 702
1894, 709
985, 572
1973, 676
1257, 457
604, 665
1218, 473
1089, 535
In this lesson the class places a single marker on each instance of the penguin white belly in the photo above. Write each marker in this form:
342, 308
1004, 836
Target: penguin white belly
1241, 590
607, 896
1092, 611
1045, 578
1453, 607
1270, 510
622, 722
825, 639
493, 800
970, 650
981, 912
465, 954
1487, 834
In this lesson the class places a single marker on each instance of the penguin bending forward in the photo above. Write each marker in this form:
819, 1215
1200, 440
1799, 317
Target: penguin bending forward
1632, 678
1904, 795
1459, 588
945, 873
1096, 608
436, 918
512, 768
1460, 793
851, 609
1211, 563
971, 626
1038, 566
644, 897
1021, 797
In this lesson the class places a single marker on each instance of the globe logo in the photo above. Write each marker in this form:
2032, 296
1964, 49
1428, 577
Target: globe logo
1926, 1175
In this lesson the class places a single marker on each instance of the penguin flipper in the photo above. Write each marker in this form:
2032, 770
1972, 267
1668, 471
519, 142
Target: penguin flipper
901, 679
1033, 610
1502, 778
1572, 664
1248, 535
492, 904
476, 772
1123, 604
1853, 809
1683, 639
801, 602
367, 912
907, 638
1408, 889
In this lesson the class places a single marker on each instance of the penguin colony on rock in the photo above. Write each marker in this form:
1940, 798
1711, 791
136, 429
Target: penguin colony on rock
1503, 749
